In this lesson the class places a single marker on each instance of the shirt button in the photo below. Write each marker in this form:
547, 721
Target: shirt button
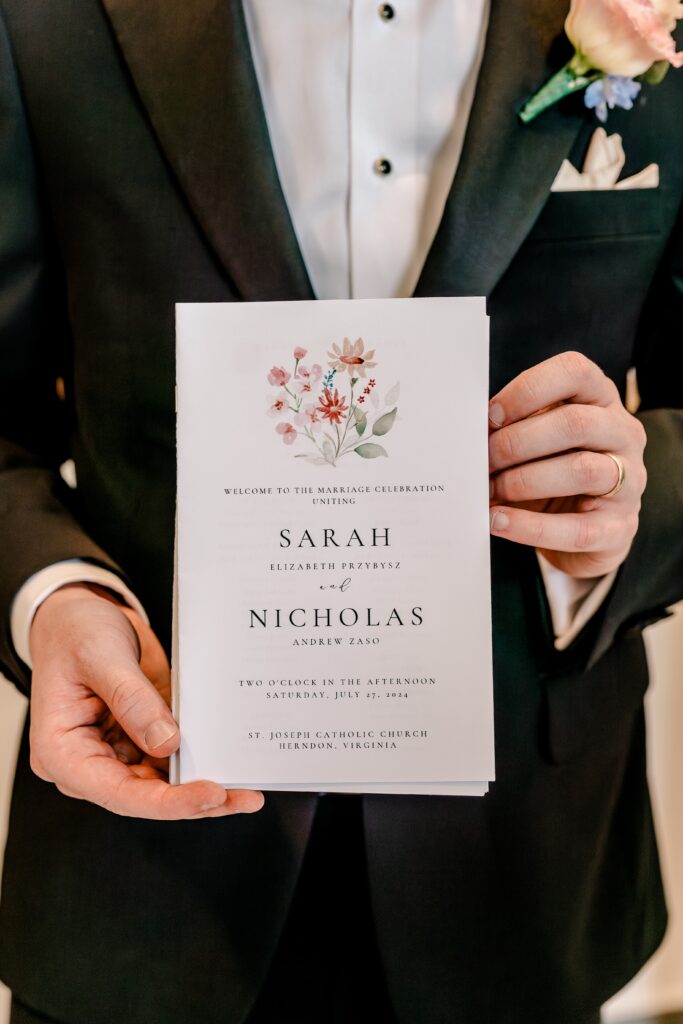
386, 12
382, 166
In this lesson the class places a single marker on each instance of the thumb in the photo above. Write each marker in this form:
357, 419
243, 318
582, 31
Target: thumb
140, 709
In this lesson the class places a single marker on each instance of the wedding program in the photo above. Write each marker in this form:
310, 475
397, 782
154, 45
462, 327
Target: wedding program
332, 621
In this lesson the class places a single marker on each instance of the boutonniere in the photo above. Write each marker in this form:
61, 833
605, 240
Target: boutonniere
618, 45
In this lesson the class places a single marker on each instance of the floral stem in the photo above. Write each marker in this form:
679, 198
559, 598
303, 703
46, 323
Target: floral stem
297, 400
310, 437
348, 419
572, 78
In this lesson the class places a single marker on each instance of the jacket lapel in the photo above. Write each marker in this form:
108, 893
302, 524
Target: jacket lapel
192, 66
506, 168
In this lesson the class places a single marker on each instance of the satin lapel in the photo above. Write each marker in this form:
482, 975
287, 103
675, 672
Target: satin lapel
506, 169
192, 66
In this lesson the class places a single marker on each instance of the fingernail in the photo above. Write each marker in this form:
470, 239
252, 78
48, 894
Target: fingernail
499, 521
121, 753
496, 414
159, 732
256, 802
211, 807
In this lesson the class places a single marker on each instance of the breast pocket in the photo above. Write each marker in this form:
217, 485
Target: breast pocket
599, 215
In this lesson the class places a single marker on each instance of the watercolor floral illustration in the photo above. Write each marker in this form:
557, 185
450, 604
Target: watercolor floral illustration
334, 411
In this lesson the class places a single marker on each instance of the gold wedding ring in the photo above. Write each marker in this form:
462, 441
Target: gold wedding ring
620, 479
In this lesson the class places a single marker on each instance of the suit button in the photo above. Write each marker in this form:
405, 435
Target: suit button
382, 166
386, 12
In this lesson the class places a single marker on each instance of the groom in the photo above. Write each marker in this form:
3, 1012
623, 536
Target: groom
154, 153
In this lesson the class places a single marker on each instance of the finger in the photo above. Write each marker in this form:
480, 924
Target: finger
122, 745
563, 429
88, 770
568, 377
583, 472
138, 707
153, 660
565, 531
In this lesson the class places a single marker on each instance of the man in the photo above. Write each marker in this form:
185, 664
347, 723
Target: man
138, 172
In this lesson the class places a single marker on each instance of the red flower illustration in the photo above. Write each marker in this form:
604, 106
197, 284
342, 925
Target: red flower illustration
334, 408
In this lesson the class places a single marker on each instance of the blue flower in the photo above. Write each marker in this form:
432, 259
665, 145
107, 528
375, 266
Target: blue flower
610, 92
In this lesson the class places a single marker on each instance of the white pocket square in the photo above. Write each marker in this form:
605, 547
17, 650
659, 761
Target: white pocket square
603, 164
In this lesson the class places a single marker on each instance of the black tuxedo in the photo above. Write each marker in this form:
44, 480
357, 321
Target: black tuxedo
136, 172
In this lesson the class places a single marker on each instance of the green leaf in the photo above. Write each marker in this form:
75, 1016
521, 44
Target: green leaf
385, 423
315, 460
370, 451
392, 395
361, 422
328, 452
656, 73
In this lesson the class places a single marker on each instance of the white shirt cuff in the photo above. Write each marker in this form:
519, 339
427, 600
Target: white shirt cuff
39, 587
573, 602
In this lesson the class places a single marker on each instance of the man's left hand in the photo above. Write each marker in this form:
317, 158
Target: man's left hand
550, 431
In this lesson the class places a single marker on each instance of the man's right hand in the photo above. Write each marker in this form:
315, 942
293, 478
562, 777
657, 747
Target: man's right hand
101, 728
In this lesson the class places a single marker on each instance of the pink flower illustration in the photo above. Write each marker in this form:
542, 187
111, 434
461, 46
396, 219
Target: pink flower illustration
278, 376
299, 353
287, 432
309, 417
279, 405
306, 379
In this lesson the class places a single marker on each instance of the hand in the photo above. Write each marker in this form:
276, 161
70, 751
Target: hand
549, 429
101, 729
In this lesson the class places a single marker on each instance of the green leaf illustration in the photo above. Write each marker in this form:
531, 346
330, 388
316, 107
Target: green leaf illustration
392, 395
385, 423
315, 460
361, 422
370, 451
328, 452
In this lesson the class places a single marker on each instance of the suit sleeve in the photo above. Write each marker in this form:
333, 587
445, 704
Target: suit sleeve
651, 578
38, 513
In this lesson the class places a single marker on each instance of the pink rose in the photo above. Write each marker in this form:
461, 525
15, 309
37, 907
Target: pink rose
300, 353
624, 37
278, 376
287, 432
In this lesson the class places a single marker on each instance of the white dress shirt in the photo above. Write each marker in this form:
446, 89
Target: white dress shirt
367, 106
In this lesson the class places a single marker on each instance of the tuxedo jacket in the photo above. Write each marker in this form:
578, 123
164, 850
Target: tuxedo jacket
136, 172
